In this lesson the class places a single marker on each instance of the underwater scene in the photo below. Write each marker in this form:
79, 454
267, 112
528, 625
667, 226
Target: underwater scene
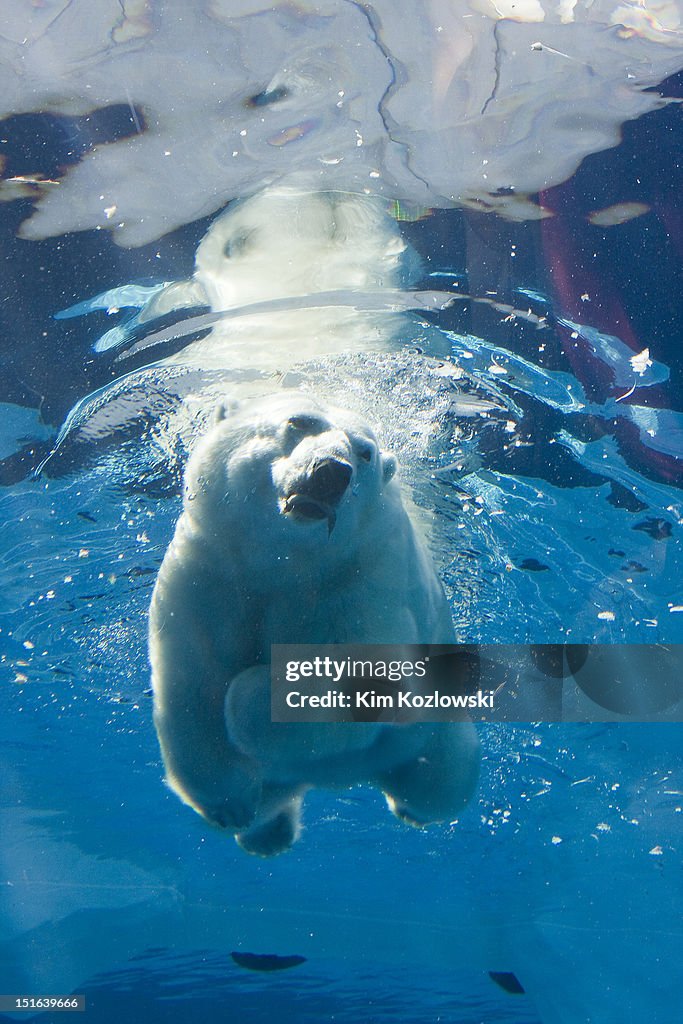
339, 330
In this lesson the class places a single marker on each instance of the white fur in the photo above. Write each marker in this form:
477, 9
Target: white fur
244, 571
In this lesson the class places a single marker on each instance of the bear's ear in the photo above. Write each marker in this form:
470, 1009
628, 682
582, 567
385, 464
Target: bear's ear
389, 467
226, 407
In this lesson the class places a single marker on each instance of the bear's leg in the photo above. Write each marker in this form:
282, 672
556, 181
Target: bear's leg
188, 677
276, 832
215, 779
439, 782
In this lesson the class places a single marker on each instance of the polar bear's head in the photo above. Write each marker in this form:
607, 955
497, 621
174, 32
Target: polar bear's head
287, 472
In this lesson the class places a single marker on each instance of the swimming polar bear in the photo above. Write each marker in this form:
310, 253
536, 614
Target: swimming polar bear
293, 530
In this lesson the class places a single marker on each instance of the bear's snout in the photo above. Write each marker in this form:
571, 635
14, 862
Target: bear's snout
317, 494
328, 481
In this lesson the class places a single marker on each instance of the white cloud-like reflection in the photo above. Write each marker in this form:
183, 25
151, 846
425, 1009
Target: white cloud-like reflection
436, 102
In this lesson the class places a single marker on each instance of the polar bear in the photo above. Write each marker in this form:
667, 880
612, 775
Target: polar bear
293, 530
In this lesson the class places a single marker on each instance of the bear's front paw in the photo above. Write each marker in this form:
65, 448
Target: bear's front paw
229, 803
234, 815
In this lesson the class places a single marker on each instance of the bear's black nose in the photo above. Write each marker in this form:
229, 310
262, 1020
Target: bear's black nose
328, 481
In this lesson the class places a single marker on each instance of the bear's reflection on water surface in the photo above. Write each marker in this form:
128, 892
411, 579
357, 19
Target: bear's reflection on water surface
293, 530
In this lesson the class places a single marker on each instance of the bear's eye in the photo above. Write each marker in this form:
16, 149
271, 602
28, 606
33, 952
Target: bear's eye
365, 452
236, 246
306, 424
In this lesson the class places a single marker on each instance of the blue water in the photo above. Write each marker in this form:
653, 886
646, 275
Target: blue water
564, 526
